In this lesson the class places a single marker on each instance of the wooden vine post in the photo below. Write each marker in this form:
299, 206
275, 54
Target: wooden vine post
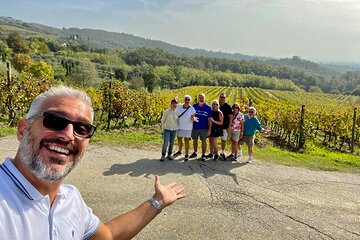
302, 135
110, 102
353, 131
9, 98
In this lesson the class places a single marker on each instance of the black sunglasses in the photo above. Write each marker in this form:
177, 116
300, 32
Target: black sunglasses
250, 111
56, 122
187, 99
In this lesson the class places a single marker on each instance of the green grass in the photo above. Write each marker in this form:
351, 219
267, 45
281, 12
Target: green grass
6, 131
315, 157
8, 29
136, 137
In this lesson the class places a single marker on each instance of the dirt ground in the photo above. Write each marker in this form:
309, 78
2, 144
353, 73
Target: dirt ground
225, 200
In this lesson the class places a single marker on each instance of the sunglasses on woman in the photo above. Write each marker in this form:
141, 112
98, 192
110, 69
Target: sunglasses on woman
56, 122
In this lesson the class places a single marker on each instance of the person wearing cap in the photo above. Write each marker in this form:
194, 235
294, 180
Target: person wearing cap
251, 124
225, 108
34, 201
186, 114
169, 126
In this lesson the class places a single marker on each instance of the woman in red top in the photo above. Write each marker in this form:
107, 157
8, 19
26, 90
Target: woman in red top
236, 132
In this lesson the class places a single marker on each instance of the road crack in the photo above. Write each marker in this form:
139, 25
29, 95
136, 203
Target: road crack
287, 215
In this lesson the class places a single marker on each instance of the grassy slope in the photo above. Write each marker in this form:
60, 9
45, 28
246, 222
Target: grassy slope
314, 157
6, 29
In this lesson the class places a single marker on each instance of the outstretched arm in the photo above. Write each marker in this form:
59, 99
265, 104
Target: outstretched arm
242, 129
209, 126
230, 121
127, 225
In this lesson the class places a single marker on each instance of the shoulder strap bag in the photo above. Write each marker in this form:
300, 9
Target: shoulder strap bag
183, 112
233, 120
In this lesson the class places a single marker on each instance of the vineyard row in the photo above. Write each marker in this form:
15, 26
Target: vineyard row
325, 115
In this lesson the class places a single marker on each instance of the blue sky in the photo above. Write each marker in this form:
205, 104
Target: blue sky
318, 30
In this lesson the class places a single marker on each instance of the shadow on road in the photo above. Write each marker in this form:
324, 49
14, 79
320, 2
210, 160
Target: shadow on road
147, 167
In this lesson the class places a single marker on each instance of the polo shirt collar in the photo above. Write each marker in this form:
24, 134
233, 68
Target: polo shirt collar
20, 181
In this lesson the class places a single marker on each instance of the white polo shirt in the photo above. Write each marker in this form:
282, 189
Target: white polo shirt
26, 214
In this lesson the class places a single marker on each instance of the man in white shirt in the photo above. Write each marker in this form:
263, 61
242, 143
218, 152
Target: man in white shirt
185, 123
34, 204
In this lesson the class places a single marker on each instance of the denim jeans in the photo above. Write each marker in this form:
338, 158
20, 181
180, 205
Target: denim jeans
169, 137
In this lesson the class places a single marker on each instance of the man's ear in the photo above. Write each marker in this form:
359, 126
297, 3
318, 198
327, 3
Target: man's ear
22, 126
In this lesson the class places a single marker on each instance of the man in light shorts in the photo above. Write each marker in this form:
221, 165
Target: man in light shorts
225, 108
186, 114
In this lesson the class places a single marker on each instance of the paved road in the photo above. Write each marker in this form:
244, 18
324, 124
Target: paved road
225, 200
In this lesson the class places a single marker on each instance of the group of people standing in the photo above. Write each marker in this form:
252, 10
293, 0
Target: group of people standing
203, 121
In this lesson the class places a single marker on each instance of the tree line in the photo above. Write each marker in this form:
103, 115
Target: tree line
153, 69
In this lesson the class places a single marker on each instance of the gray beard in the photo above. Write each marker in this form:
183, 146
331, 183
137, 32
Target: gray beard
30, 157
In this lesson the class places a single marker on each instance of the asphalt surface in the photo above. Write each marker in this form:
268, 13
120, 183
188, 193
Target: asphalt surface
224, 200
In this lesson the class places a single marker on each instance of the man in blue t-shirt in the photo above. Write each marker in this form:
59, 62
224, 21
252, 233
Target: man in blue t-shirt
202, 125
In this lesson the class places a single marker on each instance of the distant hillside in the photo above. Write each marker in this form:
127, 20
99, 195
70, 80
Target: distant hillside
105, 39
112, 41
343, 68
298, 63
